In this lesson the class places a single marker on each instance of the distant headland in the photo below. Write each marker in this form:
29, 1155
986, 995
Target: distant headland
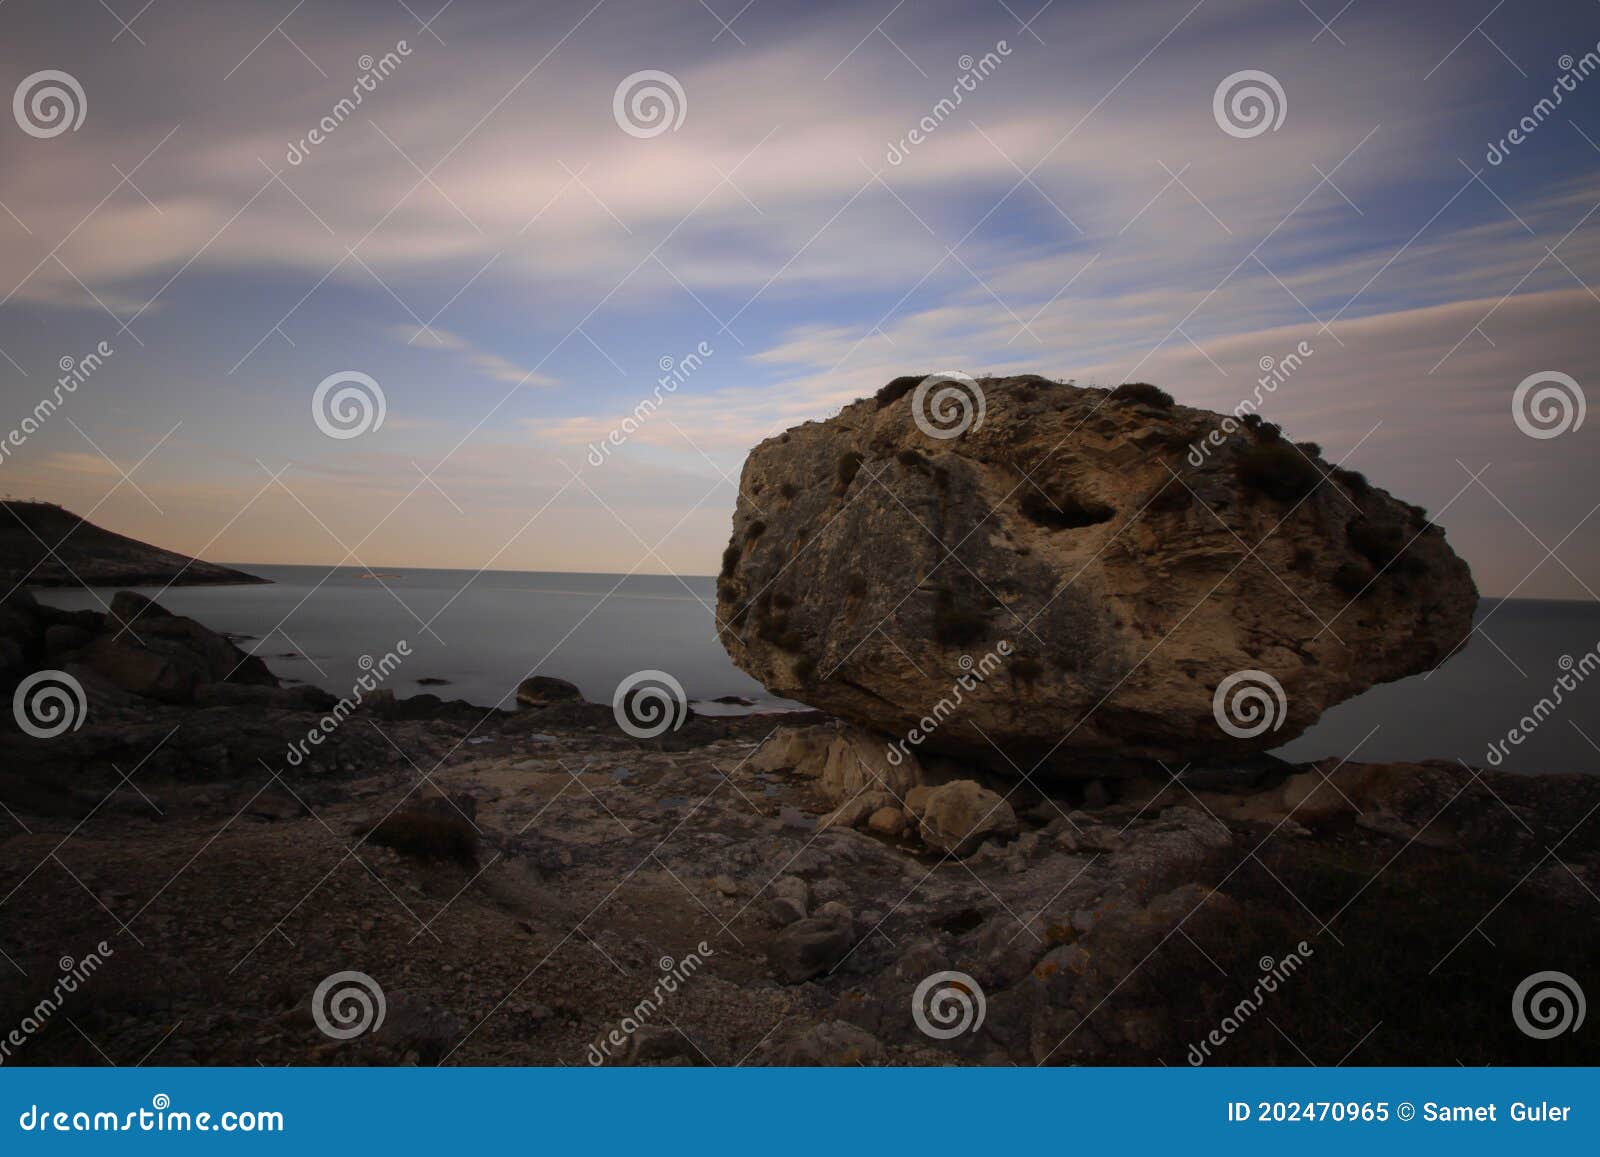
45, 545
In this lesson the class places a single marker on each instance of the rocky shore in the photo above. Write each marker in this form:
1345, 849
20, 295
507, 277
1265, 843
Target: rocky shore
1033, 823
540, 886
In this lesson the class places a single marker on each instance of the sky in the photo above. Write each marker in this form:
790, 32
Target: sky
508, 250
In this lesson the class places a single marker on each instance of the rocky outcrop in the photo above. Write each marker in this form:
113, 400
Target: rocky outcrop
146, 650
138, 647
1075, 576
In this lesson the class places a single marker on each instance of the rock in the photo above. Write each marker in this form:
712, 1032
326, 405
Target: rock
854, 812
64, 639
833, 1042
384, 704
857, 761
452, 805
793, 748
810, 947
432, 681
655, 1043
148, 651
836, 910
792, 888
853, 768
1385, 824
788, 902
300, 698
1114, 586
784, 912
275, 806
887, 821
546, 691
413, 1025
958, 816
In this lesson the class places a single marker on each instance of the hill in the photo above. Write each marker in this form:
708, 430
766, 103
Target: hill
45, 545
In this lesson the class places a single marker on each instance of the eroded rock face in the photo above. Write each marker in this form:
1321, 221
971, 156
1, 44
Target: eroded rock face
1073, 577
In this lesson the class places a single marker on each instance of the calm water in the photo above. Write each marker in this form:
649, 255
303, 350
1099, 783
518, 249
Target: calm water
485, 634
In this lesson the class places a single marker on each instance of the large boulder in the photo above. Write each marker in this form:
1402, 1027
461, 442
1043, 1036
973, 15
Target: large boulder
1077, 576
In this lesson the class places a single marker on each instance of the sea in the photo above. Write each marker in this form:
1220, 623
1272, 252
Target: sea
481, 633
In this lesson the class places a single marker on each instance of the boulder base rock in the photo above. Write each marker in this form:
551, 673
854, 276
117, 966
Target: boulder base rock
956, 817
1072, 578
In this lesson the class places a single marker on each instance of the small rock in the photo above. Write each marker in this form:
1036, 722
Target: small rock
793, 889
958, 816
887, 821
809, 947
832, 1043
854, 812
545, 691
784, 911
836, 910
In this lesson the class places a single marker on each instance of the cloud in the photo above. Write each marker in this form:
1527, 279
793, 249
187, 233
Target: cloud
491, 366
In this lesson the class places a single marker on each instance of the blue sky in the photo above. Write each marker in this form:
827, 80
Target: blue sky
483, 239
